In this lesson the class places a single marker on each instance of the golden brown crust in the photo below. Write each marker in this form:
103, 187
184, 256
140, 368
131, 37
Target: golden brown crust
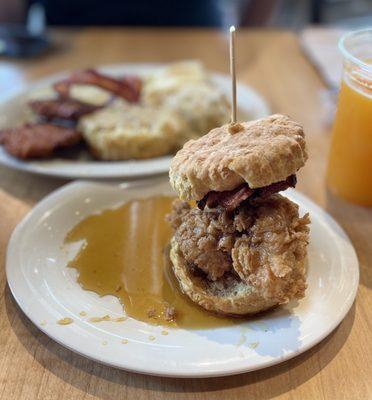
272, 256
236, 299
262, 253
123, 132
265, 151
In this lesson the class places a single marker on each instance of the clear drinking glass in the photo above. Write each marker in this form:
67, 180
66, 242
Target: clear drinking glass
350, 159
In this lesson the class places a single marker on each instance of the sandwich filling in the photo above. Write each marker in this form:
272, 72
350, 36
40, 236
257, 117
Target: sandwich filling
231, 199
262, 243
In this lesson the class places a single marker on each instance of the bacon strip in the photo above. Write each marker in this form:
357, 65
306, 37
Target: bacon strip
231, 199
128, 88
61, 109
277, 187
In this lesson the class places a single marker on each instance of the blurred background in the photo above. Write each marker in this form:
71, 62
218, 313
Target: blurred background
293, 14
28, 27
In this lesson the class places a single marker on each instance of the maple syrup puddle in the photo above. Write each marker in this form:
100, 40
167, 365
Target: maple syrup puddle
125, 253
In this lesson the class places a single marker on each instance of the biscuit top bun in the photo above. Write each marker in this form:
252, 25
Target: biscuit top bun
259, 153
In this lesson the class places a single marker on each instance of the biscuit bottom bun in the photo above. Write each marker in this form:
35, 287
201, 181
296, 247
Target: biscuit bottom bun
227, 296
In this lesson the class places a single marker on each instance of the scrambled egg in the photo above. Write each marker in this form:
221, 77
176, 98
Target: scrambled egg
169, 80
186, 88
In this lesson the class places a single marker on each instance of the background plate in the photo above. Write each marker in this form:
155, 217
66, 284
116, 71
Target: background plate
251, 106
47, 291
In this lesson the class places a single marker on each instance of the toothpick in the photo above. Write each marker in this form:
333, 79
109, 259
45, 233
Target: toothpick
233, 75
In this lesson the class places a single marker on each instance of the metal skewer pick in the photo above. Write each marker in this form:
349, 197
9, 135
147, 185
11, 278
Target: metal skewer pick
233, 75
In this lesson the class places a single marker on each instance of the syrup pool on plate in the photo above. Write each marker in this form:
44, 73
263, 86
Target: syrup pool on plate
125, 253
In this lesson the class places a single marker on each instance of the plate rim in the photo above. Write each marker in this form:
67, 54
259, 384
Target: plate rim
72, 186
23, 89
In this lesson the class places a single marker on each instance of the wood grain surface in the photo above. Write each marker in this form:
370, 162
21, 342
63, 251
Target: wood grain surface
34, 367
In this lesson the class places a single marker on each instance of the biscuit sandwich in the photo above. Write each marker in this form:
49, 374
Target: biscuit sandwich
242, 248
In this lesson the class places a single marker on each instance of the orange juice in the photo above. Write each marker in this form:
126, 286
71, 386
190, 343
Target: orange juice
350, 158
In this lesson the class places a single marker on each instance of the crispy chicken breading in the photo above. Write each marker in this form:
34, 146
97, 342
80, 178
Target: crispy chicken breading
205, 238
264, 243
270, 254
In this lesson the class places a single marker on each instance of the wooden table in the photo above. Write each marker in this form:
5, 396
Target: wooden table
32, 366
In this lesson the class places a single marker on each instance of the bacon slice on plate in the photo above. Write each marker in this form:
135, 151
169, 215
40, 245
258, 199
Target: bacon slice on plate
61, 108
128, 88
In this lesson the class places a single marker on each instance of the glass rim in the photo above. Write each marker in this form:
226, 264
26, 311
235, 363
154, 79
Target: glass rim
346, 53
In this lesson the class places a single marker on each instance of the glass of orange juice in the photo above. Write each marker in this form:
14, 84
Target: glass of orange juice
350, 160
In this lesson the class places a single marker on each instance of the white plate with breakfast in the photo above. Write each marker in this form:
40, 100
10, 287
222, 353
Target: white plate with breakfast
116, 121
229, 278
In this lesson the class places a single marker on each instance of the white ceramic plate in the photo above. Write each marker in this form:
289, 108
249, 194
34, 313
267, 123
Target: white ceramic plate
251, 105
47, 290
